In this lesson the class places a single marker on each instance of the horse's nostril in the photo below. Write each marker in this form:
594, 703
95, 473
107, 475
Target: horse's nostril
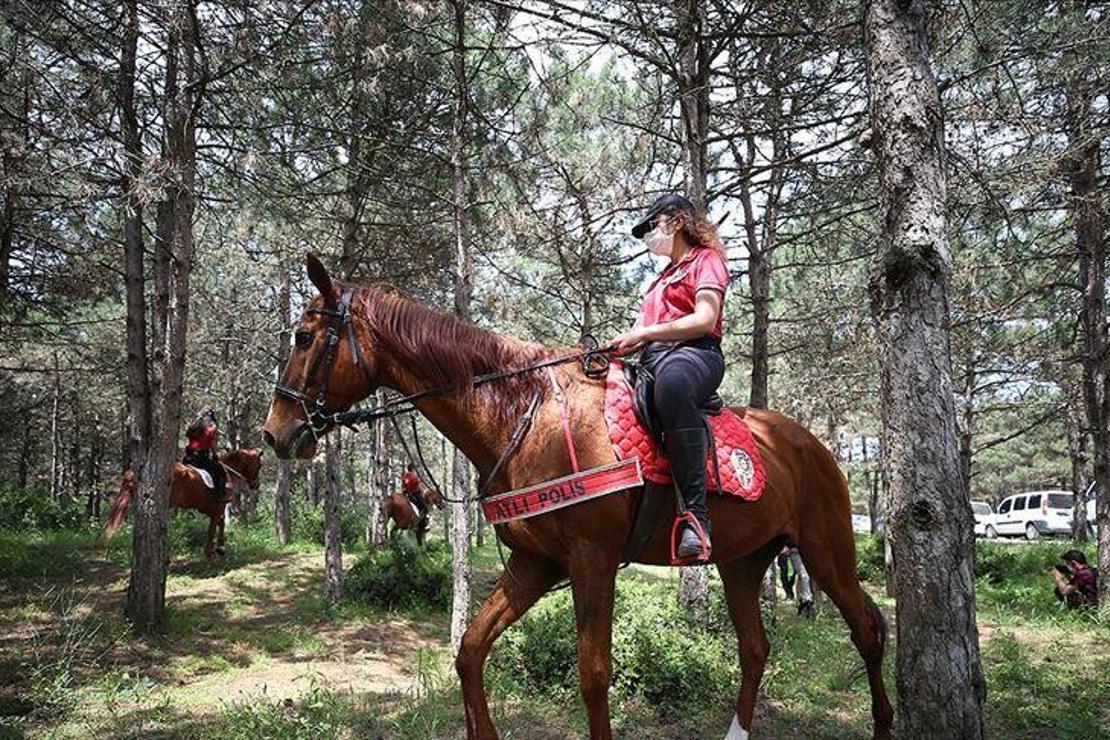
268, 438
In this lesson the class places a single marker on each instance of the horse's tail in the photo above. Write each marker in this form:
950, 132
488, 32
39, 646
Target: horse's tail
119, 509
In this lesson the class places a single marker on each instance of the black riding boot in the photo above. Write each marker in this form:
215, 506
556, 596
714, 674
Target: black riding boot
687, 450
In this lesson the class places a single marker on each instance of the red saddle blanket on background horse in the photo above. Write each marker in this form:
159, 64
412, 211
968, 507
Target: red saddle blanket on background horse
738, 459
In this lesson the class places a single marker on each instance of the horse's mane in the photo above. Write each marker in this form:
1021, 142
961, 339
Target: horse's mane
450, 351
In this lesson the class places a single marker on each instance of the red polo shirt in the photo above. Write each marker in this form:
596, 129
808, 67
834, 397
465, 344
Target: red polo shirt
674, 293
205, 440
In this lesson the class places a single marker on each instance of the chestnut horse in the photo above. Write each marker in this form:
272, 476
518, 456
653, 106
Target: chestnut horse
398, 508
381, 338
189, 492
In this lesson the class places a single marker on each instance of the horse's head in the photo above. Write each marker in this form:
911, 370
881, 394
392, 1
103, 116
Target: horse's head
247, 462
326, 372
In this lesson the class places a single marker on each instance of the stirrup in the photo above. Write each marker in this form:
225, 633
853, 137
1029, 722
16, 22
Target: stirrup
676, 530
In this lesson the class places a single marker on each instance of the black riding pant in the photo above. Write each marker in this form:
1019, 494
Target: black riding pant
684, 374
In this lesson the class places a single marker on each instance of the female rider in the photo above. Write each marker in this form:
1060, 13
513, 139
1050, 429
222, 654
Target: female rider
679, 330
200, 452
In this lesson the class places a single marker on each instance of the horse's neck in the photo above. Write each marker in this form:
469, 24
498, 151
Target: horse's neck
467, 425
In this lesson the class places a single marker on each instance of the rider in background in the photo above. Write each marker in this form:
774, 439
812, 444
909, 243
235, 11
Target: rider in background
679, 329
410, 484
200, 452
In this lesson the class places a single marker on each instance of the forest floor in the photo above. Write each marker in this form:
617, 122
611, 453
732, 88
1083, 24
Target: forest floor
252, 649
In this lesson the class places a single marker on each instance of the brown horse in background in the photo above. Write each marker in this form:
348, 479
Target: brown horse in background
189, 492
399, 509
410, 348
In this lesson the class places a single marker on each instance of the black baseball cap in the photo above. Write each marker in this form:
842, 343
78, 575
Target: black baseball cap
665, 204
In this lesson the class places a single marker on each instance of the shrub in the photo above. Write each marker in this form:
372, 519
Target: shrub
659, 656
870, 558
403, 576
26, 509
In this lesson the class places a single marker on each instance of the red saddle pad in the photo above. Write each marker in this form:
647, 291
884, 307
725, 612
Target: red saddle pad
738, 459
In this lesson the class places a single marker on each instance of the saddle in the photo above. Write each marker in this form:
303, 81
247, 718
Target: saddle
204, 475
733, 464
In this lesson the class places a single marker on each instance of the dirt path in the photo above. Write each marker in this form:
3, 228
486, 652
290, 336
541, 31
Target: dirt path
259, 629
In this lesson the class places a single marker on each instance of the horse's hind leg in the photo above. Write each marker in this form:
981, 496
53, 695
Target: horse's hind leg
526, 578
831, 562
742, 579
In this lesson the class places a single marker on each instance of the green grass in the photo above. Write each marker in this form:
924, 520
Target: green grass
1045, 666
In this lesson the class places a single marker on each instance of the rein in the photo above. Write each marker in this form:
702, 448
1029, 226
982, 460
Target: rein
594, 359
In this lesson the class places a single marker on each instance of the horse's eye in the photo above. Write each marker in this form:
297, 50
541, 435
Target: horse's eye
304, 338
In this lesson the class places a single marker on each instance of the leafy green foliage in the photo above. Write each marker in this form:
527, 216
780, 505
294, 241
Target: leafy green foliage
660, 656
1015, 579
403, 576
32, 508
870, 558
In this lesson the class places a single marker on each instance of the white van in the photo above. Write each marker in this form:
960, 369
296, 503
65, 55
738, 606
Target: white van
983, 514
1032, 515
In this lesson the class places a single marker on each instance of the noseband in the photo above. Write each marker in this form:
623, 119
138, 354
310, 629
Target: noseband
316, 409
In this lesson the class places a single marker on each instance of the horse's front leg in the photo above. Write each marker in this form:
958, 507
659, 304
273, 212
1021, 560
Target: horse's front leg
593, 575
526, 578
210, 539
221, 546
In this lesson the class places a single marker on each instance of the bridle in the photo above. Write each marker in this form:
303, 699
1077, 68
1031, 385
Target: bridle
316, 409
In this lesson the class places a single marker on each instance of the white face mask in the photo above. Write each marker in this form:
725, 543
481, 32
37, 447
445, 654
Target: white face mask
659, 242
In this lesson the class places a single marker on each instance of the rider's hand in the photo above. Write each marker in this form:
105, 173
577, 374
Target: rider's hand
628, 342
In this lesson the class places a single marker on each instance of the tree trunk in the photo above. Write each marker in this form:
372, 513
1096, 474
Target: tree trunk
55, 438
146, 587
939, 675
460, 519
312, 490
1077, 453
282, 511
460, 549
693, 97
379, 486
14, 152
333, 535
1083, 166
693, 101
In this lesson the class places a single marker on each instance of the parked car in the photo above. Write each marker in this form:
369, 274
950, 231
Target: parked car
1092, 523
983, 514
1033, 515
861, 524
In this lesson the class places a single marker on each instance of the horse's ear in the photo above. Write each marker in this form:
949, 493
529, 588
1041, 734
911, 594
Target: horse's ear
319, 276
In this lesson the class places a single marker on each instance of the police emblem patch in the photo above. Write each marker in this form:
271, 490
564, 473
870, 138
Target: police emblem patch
744, 468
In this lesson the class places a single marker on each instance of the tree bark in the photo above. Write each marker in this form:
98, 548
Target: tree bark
146, 587
939, 675
13, 155
693, 97
333, 534
693, 101
1077, 453
282, 510
460, 549
1086, 205
460, 519
379, 483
